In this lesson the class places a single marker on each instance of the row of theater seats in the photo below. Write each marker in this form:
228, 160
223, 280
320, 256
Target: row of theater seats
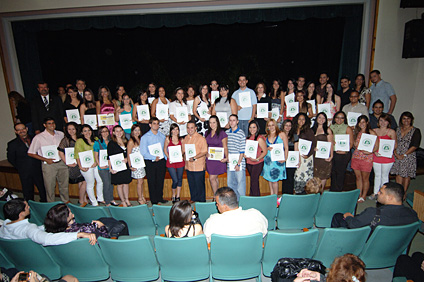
147, 258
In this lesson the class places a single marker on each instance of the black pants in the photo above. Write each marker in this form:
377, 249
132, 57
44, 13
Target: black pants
338, 221
410, 267
196, 184
288, 183
28, 180
255, 172
338, 171
155, 172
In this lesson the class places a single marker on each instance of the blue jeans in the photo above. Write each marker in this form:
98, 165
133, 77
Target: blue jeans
244, 125
177, 176
236, 180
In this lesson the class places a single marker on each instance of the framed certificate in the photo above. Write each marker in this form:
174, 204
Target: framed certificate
190, 106
103, 158
126, 121
277, 152
323, 150
386, 147
325, 108
262, 110
342, 142
190, 151
181, 114
86, 158
304, 146
289, 98
162, 111
175, 154
143, 112
117, 162
251, 149
292, 109
106, 119
69, 156
292, 159
50, 152
156, 150
73, 115
137, 160
203, 111
352, 118
367, 142
244, 99
214, 96
91, 120
275, 113
232, 161
216, 153
223, 118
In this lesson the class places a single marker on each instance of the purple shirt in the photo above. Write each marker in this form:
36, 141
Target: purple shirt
216, 167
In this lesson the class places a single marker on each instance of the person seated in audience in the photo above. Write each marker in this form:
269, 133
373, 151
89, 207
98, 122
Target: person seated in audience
232, 220
13, 275
410, 267
182, 221
391, 213
16, 226
60, 219
314, 186
347, 268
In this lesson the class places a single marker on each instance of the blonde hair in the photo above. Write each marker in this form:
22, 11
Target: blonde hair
347, 268
313, 186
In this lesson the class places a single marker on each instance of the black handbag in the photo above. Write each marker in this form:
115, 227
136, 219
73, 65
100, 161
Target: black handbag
287, 268
115, 228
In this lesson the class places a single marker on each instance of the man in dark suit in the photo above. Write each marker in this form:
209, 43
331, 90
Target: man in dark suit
46, 105
29, 169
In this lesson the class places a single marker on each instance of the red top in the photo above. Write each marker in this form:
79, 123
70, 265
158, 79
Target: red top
259, 150
384, 160
174, 165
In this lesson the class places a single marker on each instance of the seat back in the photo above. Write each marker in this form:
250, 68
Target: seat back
205, 210
267, 205
130, 260
82, 260
297, 211
1, 210
88, 213
39, 211
236, 257
334, 202
138, 218
161, 217
287, 245
336, 242
4, 259
27, 255
386, 243
194, 250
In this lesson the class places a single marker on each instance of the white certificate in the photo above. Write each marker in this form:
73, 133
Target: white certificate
69, 156
386, 147
223, 118
262, 110
181, 114
214, 96
103, 158
251, 149
106, 119
73, 115
126, 121
352, 118
289, 98
292, 109
91, 120
86, 158
323, 150
216, 153
233, 161
304, 146
183, 129
367, 142
143, 112
190, 151
275, 113
277, 152
150, 99
175, 154
342, 142
190, 106
292, 159
314, 107
244, 99
137, 160
162, 111
325, 108
117, 162
203, 111
50, 152
156, 150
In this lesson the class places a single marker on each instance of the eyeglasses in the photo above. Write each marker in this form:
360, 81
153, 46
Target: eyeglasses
340, 118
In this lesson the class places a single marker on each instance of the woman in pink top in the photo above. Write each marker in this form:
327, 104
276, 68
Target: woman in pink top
105, 105
254, 166
382, 165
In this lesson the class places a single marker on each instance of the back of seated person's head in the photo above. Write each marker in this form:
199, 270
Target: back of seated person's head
396, 190
227, 196
57, 219
347, 268
313, 186
13, 208
179, 216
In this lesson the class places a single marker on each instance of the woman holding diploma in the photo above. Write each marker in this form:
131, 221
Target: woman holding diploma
362, 160
176, 169
105, 105
261, 97
382, 164
225, 104
101, 144
126, 108
84, 156
71, 136
304, 107
73, 101
133, 146
142, 100
161, 100
274, 171
88, 106
322, 167
408, 140
341, 156
122, 179
179, 101
217, 138
330, 97
256, 164
288, 183
201, 101
291, 88
275, 96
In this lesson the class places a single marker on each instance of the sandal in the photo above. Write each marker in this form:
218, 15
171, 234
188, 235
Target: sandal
173, 200
128, 203
361, 200
142, 201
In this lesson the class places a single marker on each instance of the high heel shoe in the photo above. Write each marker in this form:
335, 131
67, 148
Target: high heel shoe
173, 200
177, 199
142, 201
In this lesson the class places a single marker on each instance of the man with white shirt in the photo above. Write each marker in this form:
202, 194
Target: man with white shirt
16, 226
232, 220
52, 169
354, 106
245, 114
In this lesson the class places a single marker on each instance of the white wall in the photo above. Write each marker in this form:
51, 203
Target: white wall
406, 75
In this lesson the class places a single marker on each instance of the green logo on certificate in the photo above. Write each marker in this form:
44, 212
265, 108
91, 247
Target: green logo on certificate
277, 152
367, 142
292, 159
87, 159
262, 110
137, 160
71, 155
73, 116
303, 148
251, 149
50, 153
156, 152
118, 163
190, 152
386, 148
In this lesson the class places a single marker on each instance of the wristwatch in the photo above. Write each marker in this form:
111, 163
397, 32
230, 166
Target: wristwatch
194, 158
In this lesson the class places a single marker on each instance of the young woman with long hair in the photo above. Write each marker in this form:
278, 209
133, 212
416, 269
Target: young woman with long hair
181, 223
322, 167
133, 146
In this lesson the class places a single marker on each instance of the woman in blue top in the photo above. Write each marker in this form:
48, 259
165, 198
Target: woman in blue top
101, 144
125, 108
274, 171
